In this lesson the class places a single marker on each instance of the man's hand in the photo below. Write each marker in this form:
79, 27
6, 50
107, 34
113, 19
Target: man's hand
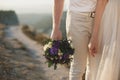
56, 34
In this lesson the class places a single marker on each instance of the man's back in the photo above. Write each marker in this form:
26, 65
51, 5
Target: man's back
82, 5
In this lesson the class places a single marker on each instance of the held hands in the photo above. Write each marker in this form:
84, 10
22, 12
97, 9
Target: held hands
93, 46
56, 34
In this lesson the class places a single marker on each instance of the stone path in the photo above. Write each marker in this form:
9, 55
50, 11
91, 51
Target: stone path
36, 49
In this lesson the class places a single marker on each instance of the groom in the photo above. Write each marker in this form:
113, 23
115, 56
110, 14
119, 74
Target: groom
79, 22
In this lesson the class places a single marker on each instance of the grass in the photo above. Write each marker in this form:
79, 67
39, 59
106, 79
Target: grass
39, 37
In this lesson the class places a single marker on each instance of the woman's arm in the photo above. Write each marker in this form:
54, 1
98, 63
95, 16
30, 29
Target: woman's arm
99, 12
57, 14
101, 4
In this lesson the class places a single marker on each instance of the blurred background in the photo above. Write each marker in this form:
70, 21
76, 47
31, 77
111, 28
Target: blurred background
35, 13
24, 26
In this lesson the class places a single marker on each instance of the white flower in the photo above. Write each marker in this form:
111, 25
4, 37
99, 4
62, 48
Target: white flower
47, 46
50, 43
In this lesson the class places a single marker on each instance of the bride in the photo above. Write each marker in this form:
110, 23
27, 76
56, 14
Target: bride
105, 41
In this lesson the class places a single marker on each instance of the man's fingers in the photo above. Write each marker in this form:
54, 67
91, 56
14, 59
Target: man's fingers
56, 38
56, 35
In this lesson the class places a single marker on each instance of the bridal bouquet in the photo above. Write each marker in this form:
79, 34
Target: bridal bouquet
58, 52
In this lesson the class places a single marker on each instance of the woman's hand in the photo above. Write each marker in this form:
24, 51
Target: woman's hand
56, 34
93, 46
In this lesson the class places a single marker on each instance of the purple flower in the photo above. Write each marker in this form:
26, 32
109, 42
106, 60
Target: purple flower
54, 51
65, 56
56, 44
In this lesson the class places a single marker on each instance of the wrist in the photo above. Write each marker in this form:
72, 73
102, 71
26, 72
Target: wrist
94, 38
56, 27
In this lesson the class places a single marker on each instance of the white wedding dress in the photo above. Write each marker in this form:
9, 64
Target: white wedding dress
109, 43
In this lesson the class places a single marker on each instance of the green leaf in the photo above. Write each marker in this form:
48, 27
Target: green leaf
50, 63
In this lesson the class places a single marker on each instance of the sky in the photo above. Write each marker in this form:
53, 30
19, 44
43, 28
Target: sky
28, 6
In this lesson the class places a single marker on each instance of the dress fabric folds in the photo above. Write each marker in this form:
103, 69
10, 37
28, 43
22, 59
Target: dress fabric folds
109, 43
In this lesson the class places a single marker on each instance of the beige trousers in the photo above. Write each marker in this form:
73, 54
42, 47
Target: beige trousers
79, 29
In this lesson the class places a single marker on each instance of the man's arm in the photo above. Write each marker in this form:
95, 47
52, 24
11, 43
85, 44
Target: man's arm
58, 9
57, 14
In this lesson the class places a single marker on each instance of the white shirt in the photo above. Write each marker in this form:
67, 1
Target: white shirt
82, 5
